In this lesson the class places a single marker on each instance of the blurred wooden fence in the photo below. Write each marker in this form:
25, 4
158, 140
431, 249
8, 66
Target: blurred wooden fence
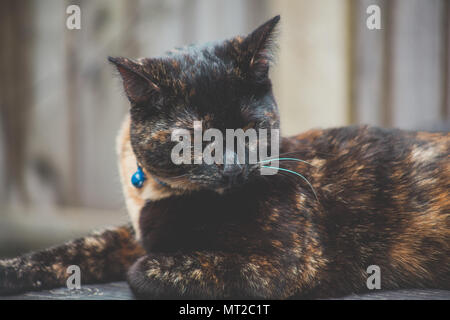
401, 73
61, 106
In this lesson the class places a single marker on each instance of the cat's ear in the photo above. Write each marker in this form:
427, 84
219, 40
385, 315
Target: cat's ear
258, 48
138, 86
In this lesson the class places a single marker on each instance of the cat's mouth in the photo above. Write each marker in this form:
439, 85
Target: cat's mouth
219, 182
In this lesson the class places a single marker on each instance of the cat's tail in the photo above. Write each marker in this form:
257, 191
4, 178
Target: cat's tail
102, 256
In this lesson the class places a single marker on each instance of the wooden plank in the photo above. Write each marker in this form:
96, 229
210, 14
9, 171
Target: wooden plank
107, 291
48, 147
121, 291
368, 65
446, 106
15, 95
100, 103
417, 63
311, 80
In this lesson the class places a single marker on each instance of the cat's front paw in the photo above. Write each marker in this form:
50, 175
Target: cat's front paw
148, 281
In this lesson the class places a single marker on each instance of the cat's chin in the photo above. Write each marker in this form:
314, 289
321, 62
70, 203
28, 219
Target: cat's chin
229, 188
221, 189
185, 185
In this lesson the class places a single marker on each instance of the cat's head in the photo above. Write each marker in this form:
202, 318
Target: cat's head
224, 84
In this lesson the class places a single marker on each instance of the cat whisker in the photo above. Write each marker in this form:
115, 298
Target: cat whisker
296, 173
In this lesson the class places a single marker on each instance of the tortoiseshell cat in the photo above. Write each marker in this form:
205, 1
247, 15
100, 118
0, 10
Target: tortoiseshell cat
207, 232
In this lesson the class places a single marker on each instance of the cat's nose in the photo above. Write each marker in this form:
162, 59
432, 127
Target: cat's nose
232, 170
233, 174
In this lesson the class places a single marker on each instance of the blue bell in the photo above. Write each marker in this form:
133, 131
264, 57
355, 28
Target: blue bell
138, 178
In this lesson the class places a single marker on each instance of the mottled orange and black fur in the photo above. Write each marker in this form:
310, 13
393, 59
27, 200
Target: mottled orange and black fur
383, 196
